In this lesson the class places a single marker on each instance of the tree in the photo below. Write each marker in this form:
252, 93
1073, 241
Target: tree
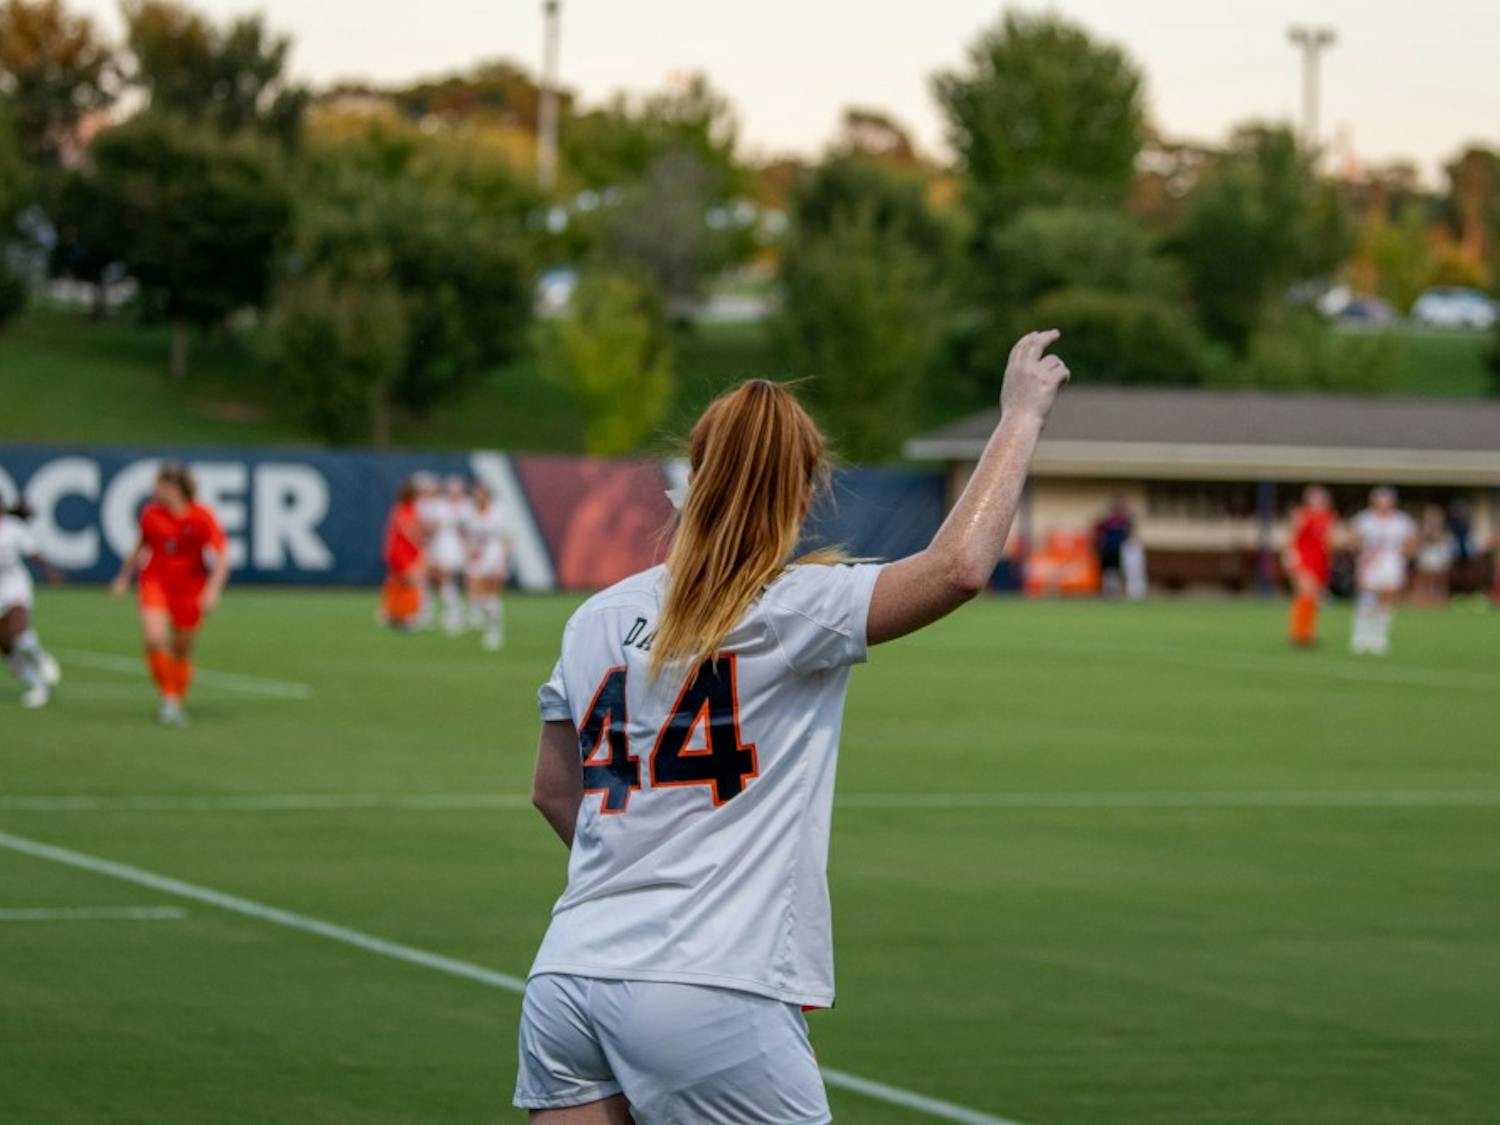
1043, 113
1123, 337
340, 345
382, 217
231, 78
196, 217
1256, 222
864, 312
56, 70
614, 352
14, 191
874, 136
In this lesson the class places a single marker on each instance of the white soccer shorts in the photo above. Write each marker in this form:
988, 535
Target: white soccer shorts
682, 1054
15, 589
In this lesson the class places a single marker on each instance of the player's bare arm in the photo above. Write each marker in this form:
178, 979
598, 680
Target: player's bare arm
931, 584
557, 788
128, 566
213, 590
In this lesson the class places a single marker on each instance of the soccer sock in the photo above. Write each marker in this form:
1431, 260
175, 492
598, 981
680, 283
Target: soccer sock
1380, 627
24, 669
494, 616
1304, 617
453, 607
29, 646
1363, 611
161, 664
182, 676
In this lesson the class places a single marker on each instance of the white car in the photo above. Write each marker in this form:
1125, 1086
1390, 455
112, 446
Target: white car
1452, 306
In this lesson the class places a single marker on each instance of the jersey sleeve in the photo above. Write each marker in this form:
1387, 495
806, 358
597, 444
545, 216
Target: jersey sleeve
25, 539
819, 614
552, 699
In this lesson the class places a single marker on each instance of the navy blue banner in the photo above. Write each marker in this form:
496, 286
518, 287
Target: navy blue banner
312, 516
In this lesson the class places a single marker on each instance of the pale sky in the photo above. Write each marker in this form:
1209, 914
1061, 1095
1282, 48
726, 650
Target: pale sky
1416, 80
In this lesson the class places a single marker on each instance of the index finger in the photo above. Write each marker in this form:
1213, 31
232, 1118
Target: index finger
1045, 340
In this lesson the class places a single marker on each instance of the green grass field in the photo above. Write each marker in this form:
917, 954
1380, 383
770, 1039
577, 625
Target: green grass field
1090, 864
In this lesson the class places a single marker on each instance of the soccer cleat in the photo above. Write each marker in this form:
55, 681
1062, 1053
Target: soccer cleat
36, 696
47, 668
171, 714
492, 642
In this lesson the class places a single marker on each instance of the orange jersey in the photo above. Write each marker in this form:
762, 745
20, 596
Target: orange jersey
177, 545
1310, 537
403, 538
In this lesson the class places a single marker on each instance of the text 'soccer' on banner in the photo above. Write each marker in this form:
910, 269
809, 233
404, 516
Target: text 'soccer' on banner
295, 516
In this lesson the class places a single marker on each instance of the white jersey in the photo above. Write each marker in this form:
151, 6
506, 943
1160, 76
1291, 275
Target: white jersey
17, 544
701, 849
485, 532
1383, 539
442, 519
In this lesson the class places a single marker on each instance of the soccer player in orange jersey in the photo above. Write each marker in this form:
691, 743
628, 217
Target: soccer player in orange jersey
405, 565
1307, 562
177, 583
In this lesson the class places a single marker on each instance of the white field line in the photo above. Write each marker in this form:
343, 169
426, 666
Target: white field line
231, 681
477, 802
92, 914
894, 1095
1369, 669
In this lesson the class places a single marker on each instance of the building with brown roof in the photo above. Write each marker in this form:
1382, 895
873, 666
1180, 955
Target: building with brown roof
1210, 475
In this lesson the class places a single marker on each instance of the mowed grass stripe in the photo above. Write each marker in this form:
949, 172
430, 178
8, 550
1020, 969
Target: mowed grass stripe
932, 1107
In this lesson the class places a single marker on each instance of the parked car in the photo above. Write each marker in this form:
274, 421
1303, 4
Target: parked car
1453, 306
1366, 312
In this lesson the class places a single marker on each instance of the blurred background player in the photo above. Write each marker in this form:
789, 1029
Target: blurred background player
19, 644
442, 521
485, 571
1307, 560
177, 583
1436, 554
1111, 533
405, 576
1384, 539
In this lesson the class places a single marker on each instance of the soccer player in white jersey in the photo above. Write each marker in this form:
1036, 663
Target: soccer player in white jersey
1384, 539
442, 519
19, 644
484, 536
690, 733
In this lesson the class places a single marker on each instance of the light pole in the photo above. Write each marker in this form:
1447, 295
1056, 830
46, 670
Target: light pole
546, 123
1312, 42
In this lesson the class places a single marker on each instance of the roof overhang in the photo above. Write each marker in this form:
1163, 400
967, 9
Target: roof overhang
1182, 461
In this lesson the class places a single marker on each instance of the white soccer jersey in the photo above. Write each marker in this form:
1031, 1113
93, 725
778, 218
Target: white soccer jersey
485, 532
443, 520
17, 544
701, 849
1383, 538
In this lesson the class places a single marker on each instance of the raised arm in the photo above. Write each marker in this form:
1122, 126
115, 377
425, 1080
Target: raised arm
557, 789
955, 567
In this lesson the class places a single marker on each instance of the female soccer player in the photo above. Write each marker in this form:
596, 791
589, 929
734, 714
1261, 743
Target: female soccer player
1307, 562
19, 644
689, 740
484, 534
177, 584
442, 521
405, 574
1385, 538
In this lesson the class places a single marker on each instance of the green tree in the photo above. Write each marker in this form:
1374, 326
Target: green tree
15, 182
1295, 351
1043, 113
1123, 337
196, 217
613, 350
864, 308
339, 345
460, 267
55, 69
231, 78
1255, 223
